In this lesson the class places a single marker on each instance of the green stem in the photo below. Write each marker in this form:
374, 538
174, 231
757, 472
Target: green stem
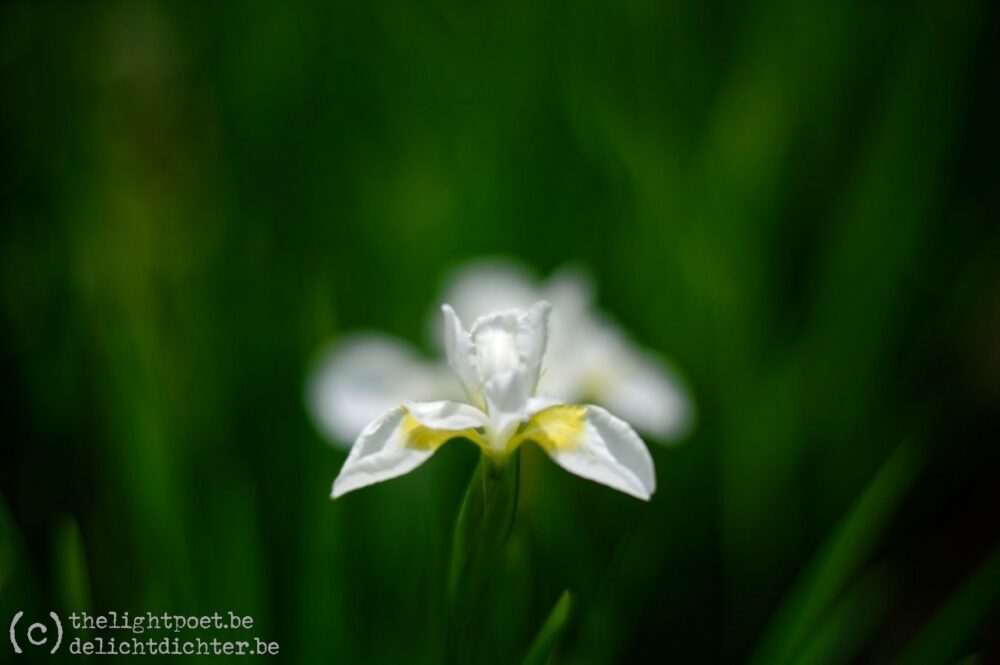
484, 523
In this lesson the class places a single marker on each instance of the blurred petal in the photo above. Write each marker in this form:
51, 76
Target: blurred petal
360, 377
593, 444
601, 364
572, 325
570, 290
646, 393
484, 286
394, 445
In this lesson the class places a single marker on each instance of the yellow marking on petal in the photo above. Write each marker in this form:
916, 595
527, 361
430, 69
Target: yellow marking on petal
417, 436
556, 429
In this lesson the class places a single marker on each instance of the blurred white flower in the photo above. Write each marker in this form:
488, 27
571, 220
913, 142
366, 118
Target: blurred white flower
361, 375
591, 359
498, 363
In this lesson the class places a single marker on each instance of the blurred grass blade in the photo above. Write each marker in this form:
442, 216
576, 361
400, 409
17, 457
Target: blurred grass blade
19, 582
843, 633
838, 559
70, 562
551, 631
949, 631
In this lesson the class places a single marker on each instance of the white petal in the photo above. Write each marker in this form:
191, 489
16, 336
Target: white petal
599, 363
573, 324
648, 394
495, 340
542, 402
446, 415
532, 337
593, 444
391, 446
461, 353
570, 290
512, 339
507, 398
360, 377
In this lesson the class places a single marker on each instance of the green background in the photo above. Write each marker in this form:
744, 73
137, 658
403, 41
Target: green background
797, 201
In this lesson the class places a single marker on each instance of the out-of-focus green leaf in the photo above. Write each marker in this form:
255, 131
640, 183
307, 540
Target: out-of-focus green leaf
195, 198
550, 631
18, 582
72, 578
948, 632
838, 559
842, 633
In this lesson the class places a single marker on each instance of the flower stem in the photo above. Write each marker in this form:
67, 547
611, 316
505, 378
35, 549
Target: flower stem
484, 523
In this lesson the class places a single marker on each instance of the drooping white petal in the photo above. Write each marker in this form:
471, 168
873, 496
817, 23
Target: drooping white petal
446, 415
397, 443
461, 353
360, 377
591, 443
542, 402
380, 453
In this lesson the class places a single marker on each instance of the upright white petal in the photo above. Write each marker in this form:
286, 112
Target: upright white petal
511, 339
398, 442
532, 338
360, 377
483, 286
589, 356
461, 353
494, 338
593, 444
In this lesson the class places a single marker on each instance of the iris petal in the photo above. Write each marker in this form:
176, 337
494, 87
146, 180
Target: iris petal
591, 443
396, 444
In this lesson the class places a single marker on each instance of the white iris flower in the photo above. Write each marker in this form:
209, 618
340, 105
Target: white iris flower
591, 359
498, 363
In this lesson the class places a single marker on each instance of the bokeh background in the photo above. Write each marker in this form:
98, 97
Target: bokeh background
797, 201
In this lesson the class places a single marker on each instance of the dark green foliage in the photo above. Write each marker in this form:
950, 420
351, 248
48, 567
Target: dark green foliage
796, 201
